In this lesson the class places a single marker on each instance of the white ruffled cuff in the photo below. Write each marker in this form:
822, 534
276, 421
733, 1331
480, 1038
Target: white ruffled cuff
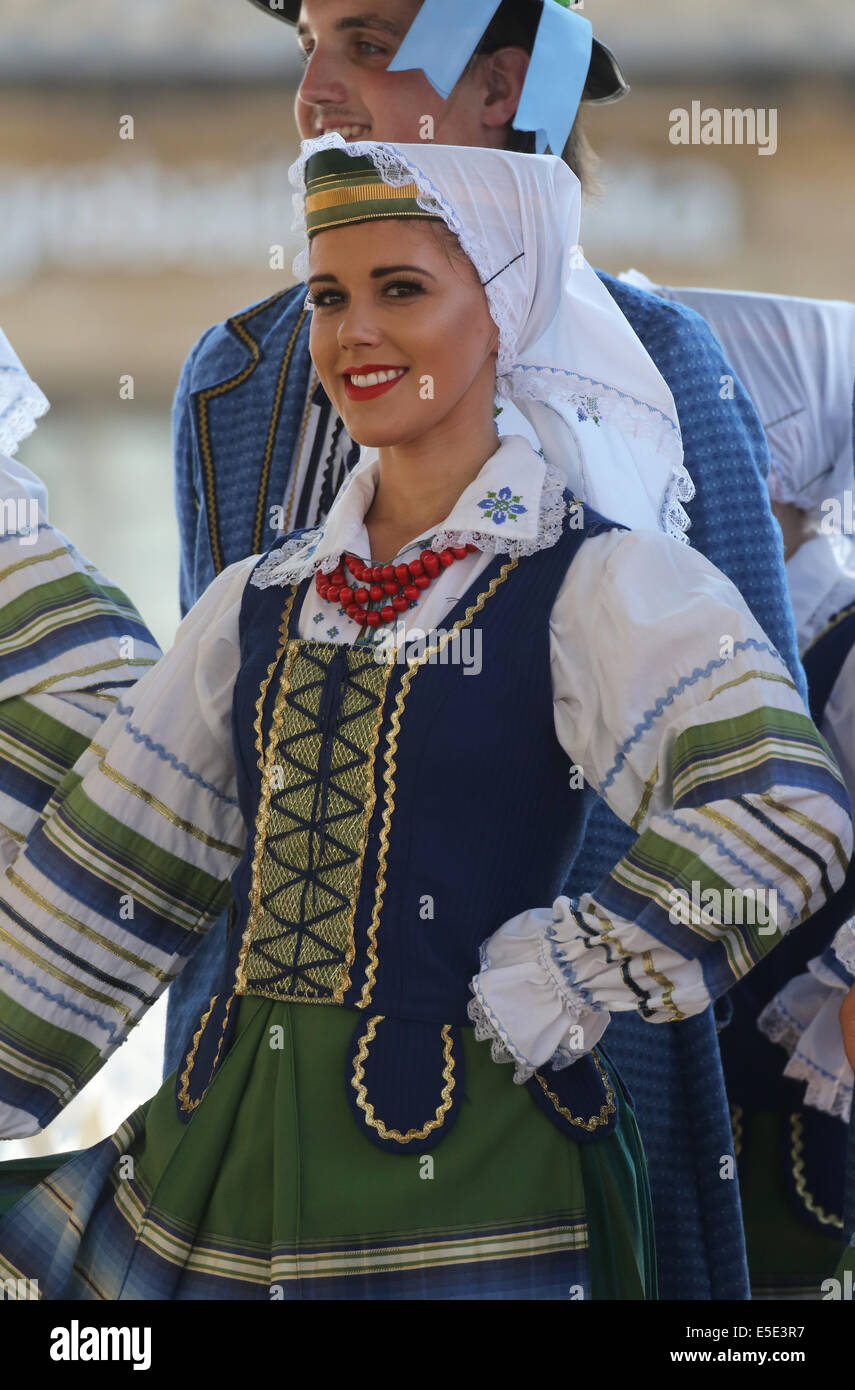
524, 1002
803, 1018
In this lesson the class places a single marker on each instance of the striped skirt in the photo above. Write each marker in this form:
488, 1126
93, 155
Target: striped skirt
271, 1192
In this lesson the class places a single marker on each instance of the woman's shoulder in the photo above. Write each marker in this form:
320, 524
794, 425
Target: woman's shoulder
646, 574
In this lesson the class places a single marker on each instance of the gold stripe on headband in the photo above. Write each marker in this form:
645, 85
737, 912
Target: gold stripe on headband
358, 193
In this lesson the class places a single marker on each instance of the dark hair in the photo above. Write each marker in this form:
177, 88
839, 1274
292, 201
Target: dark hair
514, 25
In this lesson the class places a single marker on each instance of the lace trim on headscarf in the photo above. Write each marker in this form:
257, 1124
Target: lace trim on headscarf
513, 378
21, 405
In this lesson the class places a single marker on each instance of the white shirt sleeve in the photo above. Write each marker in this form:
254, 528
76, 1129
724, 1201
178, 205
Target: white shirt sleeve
681, 715
129, 867
70, 642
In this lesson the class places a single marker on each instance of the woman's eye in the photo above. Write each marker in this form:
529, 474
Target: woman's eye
403, 289
322, 299
305, 55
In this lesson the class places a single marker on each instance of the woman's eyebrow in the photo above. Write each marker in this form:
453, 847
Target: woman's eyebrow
390, 270
376, 274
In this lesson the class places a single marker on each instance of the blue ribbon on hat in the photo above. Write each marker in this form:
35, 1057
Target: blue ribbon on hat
444, 35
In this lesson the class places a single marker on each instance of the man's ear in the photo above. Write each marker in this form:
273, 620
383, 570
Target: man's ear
503, 75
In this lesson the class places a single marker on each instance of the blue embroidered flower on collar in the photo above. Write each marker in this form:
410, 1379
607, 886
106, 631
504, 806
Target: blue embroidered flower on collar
502, 506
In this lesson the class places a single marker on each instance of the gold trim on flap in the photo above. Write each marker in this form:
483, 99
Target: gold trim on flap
594, 1121
736, 1115
358, 1084
797, 1148
183, 1094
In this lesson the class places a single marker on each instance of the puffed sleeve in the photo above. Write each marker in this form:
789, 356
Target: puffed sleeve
804, 1017
129, 866
677, 709
70, 643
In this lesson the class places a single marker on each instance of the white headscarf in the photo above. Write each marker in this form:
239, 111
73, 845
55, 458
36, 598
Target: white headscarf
568, 360
21, 401
796, 358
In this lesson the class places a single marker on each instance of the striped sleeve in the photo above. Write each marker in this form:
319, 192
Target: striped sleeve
70, 643
128, 867
673, 704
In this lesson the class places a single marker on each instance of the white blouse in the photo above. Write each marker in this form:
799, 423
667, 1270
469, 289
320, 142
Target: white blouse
666, 695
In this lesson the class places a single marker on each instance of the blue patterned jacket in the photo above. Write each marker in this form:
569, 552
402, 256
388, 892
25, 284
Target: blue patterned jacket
239, 410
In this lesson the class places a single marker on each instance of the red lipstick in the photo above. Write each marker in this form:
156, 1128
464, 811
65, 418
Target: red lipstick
368, 393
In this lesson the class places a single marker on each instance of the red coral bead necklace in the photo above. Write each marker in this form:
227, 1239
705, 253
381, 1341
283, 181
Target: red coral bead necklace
398, 584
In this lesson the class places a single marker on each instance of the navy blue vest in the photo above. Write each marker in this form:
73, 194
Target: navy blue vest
399, 812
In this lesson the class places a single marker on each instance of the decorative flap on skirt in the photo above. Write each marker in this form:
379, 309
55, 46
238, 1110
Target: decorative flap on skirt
207, 1049
404, 1081
580, 1099
815, 1163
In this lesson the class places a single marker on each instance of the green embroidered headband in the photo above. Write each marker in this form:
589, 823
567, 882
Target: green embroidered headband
341, 190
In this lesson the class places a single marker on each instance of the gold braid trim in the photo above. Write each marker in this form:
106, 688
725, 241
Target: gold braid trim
358, 1078
263, 814
736, 1113
257, 529
209, 394
797, 1148
262, 694
389, 775
183, 1095
594, 1121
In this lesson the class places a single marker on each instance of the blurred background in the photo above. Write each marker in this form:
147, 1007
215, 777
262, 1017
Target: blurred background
116, 254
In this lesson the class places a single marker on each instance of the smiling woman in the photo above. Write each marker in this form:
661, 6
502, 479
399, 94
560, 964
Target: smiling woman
407, 354
395, 836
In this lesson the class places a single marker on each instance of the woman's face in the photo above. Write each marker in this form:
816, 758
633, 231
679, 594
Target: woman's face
390, 298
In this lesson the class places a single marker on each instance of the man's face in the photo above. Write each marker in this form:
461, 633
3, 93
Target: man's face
348, 45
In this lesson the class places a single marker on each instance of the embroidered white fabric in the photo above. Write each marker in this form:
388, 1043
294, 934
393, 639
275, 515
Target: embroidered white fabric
21, 401
294, 560
528, 1010
635, 418
843, 946
620, 483
498, 1051
803, 1019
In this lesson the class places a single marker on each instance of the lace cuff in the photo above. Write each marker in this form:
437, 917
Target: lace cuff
524, 1003
803, 1018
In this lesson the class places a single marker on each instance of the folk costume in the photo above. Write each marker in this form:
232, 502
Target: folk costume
66, 633
71, 645
386, 917
796, 357
250, 409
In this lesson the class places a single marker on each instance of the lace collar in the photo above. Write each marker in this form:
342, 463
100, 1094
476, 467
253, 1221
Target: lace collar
515, 506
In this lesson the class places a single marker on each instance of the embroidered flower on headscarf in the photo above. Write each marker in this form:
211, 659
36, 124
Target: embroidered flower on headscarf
588, 410
502, 506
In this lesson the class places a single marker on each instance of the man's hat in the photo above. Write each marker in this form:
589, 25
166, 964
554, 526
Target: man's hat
605, 82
